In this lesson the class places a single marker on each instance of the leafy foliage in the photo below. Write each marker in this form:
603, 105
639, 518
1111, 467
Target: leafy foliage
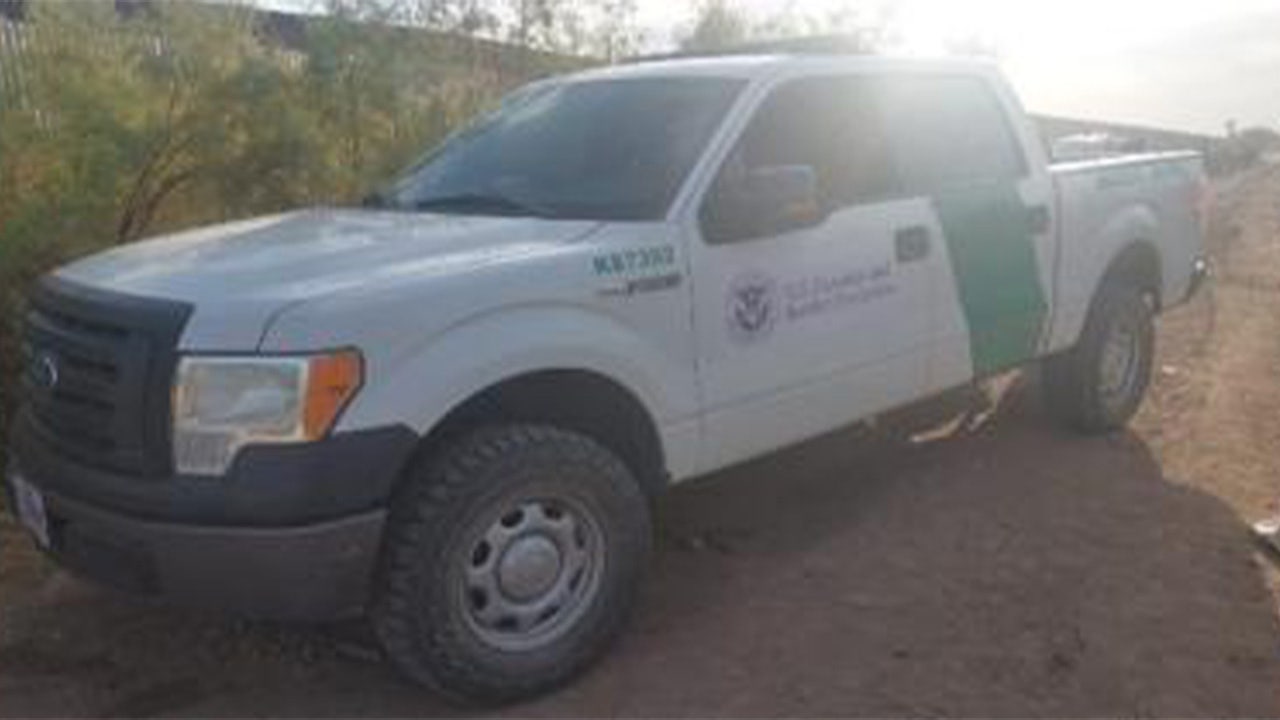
117, 126
719, 24
1244, 148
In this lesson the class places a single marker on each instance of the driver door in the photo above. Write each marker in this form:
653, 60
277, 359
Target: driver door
815, 316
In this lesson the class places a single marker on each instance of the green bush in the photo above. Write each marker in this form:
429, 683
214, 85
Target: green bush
115, 128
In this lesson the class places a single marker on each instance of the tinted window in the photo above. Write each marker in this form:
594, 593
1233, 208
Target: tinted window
607, 150
831, 125
949, 132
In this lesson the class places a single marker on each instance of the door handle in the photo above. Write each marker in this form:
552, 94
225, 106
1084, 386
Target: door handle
912, 243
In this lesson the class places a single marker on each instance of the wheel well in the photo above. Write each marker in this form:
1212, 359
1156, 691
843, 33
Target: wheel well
577, 400
1137, 265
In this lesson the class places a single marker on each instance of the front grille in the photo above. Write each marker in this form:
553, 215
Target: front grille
98, 370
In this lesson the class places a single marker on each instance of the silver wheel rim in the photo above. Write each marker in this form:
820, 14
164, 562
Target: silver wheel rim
1120, 361
531, 573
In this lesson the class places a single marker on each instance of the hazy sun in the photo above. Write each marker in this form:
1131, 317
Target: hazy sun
1130, 60
1025, 28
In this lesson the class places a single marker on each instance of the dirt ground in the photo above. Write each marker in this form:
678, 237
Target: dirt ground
1002, 569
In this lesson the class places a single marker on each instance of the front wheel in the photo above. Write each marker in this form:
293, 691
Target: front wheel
510, 563
1097, 386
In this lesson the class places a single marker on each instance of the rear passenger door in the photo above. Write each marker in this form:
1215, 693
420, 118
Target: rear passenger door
958, 150
808, 326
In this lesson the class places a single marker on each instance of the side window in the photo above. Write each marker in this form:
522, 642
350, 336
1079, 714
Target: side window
950, 131
813, 147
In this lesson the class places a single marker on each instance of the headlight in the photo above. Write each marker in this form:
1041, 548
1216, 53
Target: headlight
221, 404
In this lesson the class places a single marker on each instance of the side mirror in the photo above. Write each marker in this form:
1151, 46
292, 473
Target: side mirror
765, 201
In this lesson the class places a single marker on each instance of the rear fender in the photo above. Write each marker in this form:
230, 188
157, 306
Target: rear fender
1087, 261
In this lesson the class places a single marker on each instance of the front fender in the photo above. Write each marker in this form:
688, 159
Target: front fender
418, 387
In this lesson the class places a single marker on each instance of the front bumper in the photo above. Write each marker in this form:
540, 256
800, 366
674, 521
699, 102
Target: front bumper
291, 533
309, 573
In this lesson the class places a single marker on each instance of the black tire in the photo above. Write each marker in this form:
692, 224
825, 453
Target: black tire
437, 603
1078, 388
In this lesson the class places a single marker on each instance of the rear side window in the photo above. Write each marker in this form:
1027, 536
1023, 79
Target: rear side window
949, 131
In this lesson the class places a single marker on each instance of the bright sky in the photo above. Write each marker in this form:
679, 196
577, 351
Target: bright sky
1184, 64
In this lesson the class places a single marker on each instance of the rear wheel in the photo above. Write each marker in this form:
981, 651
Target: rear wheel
510, 563
1098, 385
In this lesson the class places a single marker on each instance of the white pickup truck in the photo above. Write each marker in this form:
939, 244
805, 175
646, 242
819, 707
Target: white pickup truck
448, 409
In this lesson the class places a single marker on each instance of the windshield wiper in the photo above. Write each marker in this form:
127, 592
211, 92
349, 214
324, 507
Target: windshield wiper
480, 203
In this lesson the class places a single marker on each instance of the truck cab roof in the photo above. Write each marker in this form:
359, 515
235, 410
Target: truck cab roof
754, 66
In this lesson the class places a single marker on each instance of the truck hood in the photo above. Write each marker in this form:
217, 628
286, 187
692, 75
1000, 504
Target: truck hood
239, 275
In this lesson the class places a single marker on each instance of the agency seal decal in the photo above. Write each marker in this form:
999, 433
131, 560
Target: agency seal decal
751, 307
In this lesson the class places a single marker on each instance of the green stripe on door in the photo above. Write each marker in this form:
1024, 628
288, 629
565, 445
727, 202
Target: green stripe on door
993, 257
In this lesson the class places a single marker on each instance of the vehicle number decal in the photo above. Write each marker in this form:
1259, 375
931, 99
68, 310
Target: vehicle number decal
638, 270
633, 261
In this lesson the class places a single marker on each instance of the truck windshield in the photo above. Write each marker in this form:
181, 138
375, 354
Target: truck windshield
594, 150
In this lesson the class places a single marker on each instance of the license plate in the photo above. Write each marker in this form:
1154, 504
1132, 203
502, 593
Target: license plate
31, 510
